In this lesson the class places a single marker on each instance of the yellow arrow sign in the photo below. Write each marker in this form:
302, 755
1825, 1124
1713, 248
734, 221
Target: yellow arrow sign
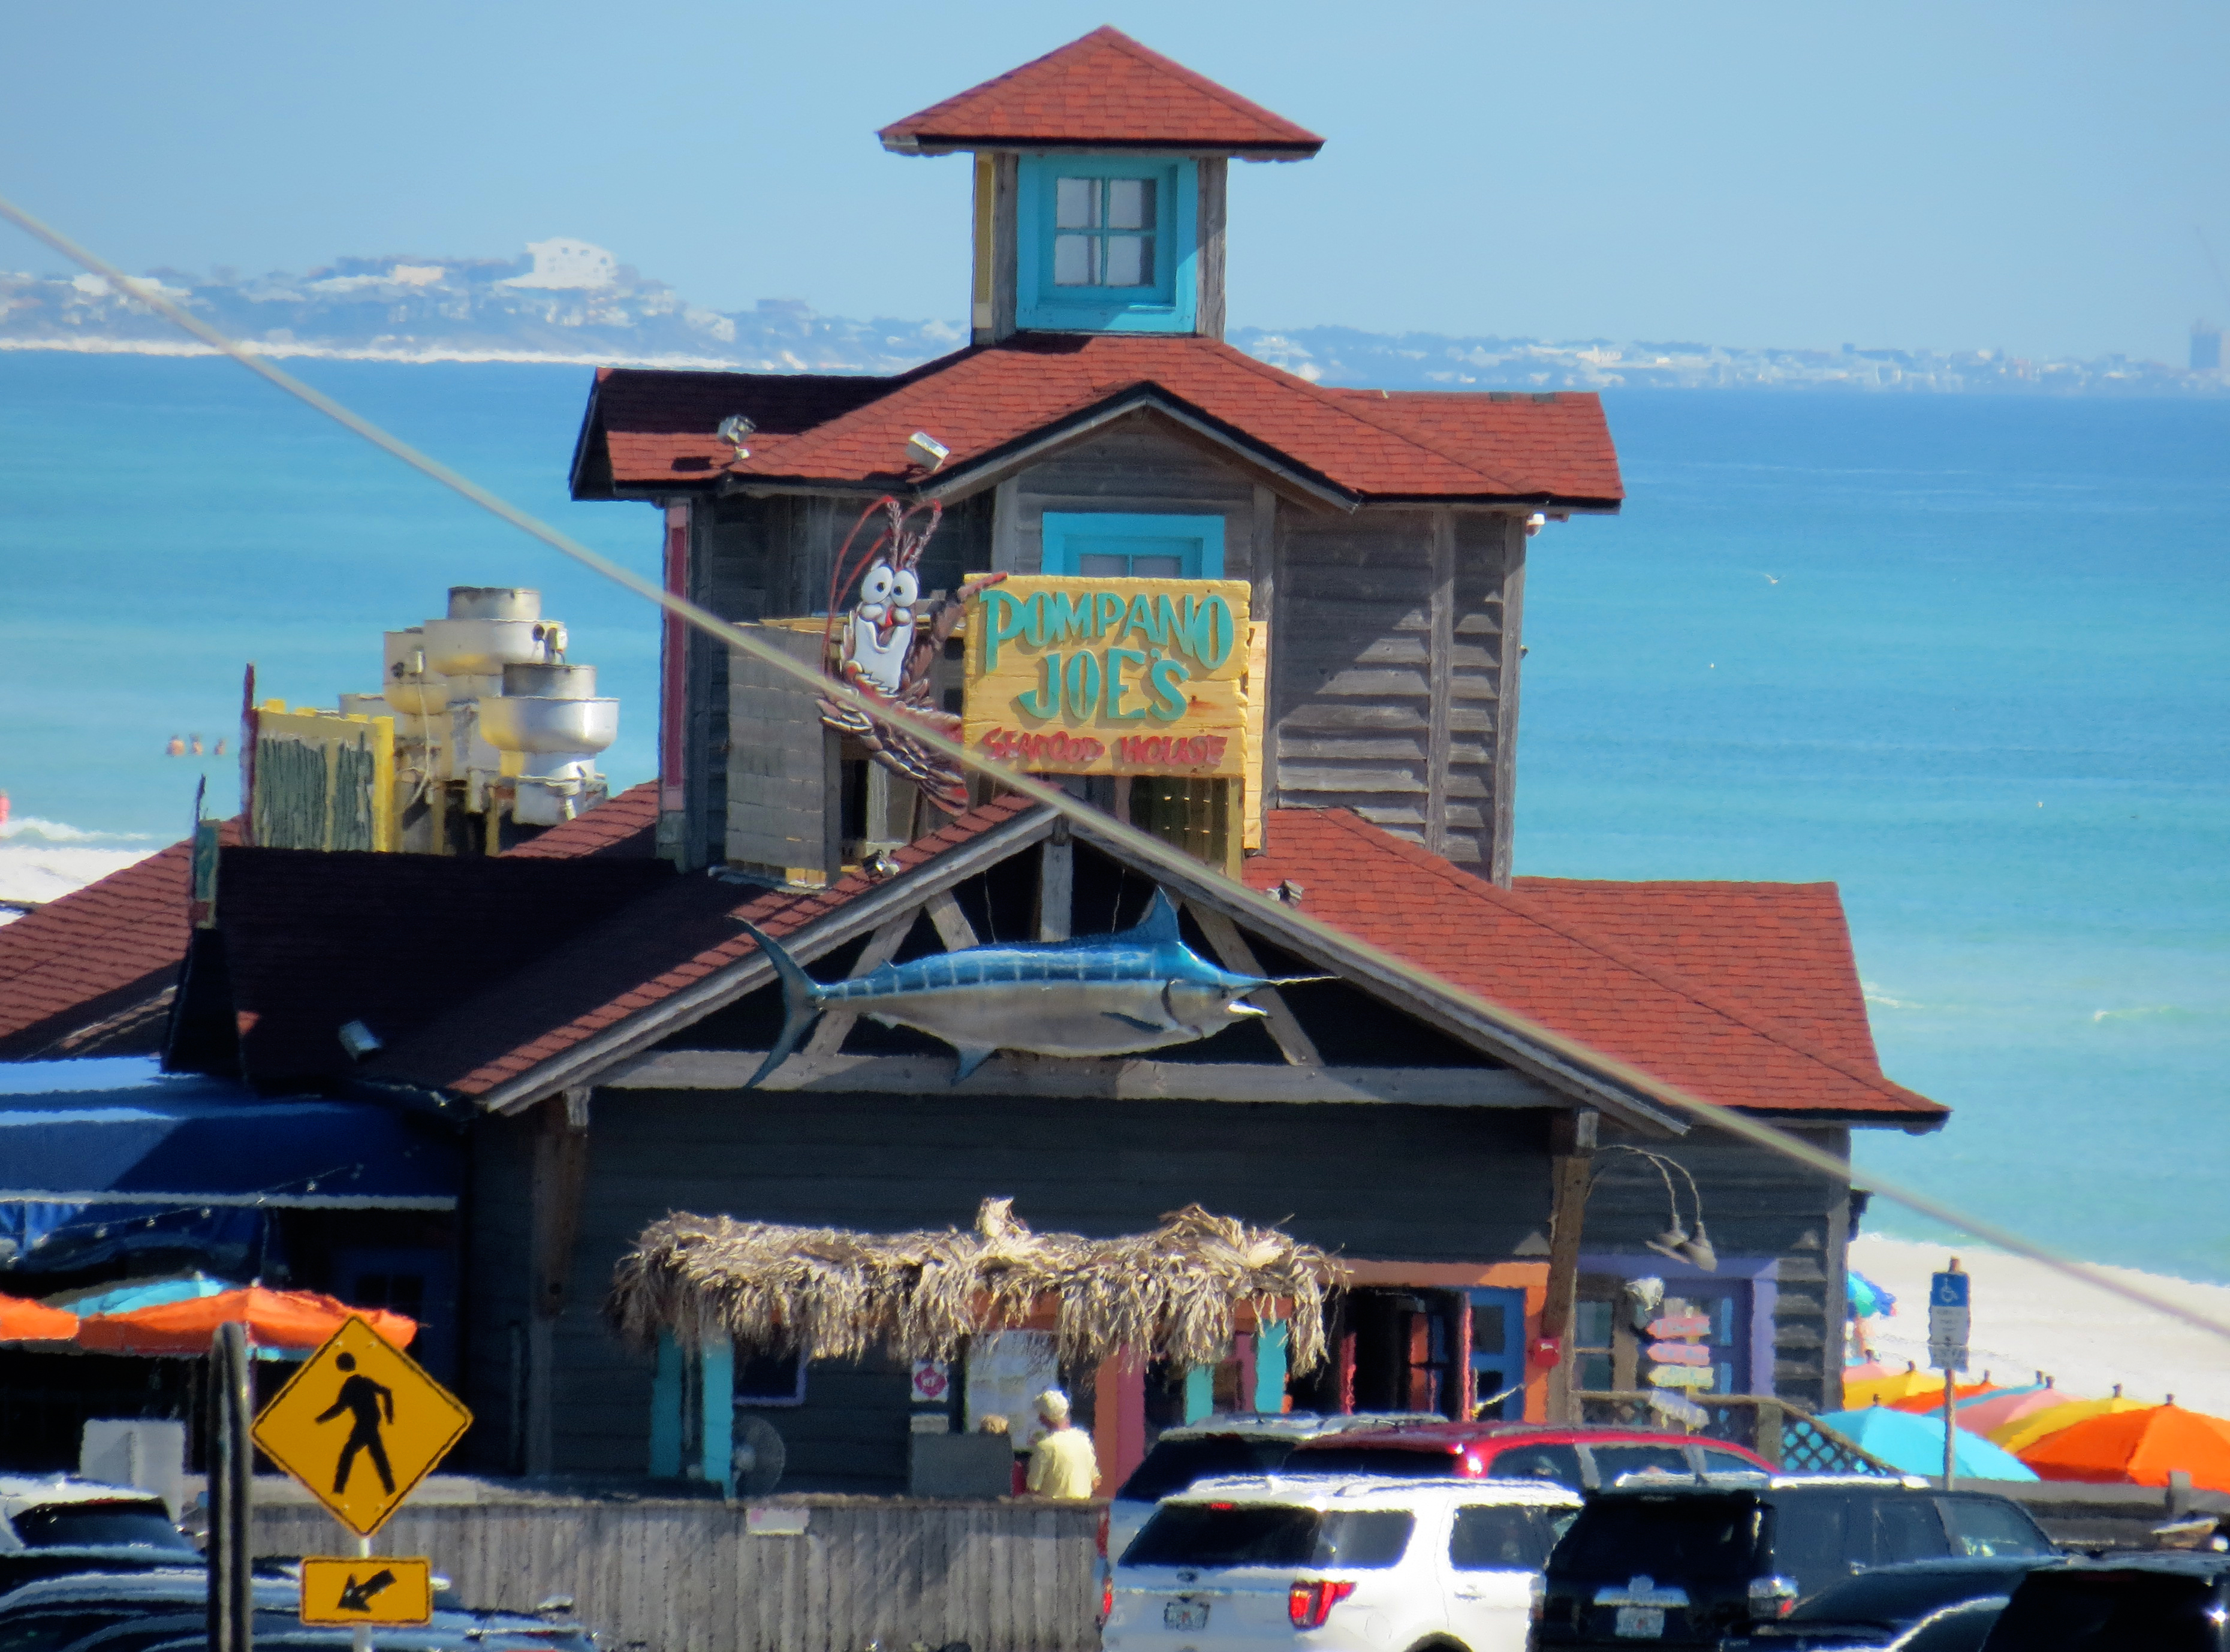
374, 1589
360, 1425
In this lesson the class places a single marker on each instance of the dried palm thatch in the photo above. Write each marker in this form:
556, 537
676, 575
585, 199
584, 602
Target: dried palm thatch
1169, 1295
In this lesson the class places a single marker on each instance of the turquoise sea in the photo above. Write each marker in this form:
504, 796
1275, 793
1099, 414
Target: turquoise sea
1969, 658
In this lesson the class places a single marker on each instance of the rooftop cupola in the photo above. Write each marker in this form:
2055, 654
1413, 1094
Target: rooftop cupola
1099, 188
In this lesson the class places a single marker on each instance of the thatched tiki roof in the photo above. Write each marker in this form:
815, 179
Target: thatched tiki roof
1169, 1295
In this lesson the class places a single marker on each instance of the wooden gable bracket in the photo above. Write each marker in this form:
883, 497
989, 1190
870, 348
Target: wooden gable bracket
1234, 954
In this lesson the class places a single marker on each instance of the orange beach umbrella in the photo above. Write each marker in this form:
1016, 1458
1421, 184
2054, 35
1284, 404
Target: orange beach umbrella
1932, 1400
289, 1322
2138, 1447
22, 1320
2019, 1436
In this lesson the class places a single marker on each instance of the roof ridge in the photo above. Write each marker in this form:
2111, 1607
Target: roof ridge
1230, 100
1581, 935
1682, 883
1361, 399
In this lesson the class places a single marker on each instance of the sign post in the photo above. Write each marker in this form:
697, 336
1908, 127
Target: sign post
1948, 1324
231, 1480
359, 1426
1682, 1363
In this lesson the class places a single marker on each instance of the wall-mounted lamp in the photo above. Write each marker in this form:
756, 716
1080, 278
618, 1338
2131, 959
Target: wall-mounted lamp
734, 431
1676, 1242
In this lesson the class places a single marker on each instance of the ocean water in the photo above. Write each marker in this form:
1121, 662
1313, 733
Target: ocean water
1968, 658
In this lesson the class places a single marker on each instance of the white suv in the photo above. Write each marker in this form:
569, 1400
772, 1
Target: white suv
1338, 1565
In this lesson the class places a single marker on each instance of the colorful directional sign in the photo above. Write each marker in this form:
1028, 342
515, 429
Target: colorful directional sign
373, 1590
360, 1425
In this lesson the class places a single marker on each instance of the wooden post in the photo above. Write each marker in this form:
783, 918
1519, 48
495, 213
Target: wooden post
1056, 884
231, 1459
1503, 821
559, 1172
1571, 1161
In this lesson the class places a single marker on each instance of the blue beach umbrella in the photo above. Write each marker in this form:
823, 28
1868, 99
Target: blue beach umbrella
1867, 1298
129, 1298
1914, 1444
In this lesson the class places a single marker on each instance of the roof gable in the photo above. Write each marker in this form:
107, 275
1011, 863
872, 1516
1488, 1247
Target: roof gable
1105, 91
1539, 959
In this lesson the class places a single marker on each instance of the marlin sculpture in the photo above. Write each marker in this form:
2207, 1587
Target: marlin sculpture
1099, 995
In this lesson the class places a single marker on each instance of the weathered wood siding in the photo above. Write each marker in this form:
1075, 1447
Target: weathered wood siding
1755, 1204
1140, 463
773, 557
687, 1576
1393, 667
1398, 1182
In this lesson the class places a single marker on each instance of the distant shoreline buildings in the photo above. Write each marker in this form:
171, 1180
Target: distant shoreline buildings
569, 302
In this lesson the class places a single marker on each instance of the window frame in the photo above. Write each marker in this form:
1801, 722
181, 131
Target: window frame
1056, 528
1170, 306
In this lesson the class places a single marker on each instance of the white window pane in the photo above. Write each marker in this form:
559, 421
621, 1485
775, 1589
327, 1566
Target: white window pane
1130, 261
1130, 204
1076, 203
1072, 261
1157, 567
1098, 566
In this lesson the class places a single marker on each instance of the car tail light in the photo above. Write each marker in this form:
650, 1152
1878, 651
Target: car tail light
1471, 1465
1106, 1599
1308, 1602
1772, 1597
1101, 1534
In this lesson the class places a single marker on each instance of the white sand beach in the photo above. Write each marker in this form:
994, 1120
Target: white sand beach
2028, 1318
39, 870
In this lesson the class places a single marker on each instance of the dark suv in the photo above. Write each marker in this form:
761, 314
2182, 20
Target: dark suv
1691, 1565
2138, 1603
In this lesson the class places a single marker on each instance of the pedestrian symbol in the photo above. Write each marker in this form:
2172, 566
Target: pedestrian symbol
360, 1425
384, 1590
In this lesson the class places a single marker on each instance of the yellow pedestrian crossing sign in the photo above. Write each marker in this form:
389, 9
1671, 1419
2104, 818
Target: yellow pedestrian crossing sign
360, 1425
374, 1589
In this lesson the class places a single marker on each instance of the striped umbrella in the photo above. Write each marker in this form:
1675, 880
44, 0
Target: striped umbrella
2020, 1435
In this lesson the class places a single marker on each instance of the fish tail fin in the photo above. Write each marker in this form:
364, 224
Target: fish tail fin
800, 1003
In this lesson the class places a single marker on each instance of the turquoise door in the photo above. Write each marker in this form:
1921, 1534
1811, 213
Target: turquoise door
1498, 1352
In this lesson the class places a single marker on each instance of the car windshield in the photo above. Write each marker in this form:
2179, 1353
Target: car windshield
1677, 1538
57, 1526
2110, 1611
1558, 1463
1398, 1461
1613, 1463
1894, 1599
1992, 1528
1172, 1465
1269, 1534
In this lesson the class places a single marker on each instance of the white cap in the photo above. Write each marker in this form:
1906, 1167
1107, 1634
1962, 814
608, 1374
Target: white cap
1053, 1405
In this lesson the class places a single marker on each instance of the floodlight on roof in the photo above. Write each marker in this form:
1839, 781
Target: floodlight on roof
927, 451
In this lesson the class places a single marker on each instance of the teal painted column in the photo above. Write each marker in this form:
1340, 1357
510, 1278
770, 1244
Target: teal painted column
1200, 1392
666, 1404
719, 1388
1270, 1367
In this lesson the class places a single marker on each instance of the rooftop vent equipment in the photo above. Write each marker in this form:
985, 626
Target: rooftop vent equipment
490, 718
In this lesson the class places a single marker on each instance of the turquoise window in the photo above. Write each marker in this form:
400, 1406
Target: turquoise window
1109, 545
1107, 244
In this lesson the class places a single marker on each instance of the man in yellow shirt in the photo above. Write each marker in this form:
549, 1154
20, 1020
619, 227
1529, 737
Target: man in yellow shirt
1062, 1462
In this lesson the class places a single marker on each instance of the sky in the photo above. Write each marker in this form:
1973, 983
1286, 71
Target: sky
2031, 177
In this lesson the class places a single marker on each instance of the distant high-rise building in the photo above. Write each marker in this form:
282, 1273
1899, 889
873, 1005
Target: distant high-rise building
2206, 347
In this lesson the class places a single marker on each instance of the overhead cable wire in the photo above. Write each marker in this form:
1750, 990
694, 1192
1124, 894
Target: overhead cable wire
1556, 1048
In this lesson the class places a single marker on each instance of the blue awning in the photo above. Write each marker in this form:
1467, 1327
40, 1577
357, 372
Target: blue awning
146, 1161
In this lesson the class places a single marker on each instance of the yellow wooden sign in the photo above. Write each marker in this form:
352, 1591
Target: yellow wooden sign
372, 1589
1068, 674
360, 1425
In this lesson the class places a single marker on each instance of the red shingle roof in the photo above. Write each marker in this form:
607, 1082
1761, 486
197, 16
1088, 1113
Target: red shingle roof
1105, 91
1538, 958
620, 828
1549, 448
1779, 950
95, 952
635, 959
